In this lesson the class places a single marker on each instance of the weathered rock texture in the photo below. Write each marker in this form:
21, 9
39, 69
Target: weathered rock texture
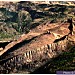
44, 41
20, 17
32, 50
42, 35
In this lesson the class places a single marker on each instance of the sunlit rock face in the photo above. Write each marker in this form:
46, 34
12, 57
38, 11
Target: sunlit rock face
47, 36
46, 39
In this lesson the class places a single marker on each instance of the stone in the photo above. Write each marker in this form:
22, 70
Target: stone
42, 48
38, 49
1, 49
25, 55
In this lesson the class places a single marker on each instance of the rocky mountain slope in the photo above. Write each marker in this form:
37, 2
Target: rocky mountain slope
21, 17
33, 33
34, 49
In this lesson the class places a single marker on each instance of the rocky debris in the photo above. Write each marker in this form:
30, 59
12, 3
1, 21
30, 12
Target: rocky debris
58, 33
54, 2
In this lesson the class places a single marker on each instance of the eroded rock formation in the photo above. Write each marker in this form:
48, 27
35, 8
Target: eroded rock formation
32, 50
42, 35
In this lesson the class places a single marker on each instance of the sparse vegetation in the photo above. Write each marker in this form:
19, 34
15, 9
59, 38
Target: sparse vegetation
64, 62
26, 16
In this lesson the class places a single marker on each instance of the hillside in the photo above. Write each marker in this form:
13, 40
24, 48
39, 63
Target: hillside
17, 18
37, 37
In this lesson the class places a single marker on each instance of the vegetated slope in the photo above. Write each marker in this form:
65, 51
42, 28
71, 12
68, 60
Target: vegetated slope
64, 62
20, 17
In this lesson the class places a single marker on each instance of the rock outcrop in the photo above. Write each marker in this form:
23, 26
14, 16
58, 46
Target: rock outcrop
44, 41
42, 34
37, 46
